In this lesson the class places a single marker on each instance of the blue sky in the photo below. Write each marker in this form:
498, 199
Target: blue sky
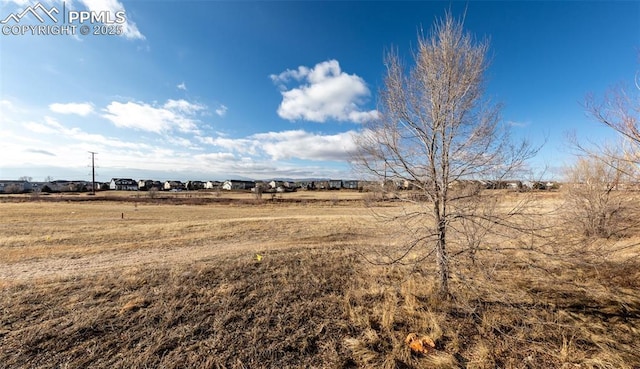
217, 89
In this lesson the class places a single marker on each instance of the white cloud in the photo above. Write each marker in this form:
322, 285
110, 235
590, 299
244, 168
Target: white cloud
19, 2
294, 144
183, 106
216, 156
308, 146
297, 74
243, 145
222, 110
517, 124
326, 93
82, 109
130, 30
174, 114
182, 86
53, 127
6, 106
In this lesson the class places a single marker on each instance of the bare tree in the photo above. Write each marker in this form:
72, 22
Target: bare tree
619, 109
598, 208
259, 189
596, 205
153, 192
435, 129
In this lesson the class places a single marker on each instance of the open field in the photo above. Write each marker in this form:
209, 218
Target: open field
126, 284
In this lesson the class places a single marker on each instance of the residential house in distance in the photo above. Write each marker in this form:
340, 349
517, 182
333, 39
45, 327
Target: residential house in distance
305, 185
39, 186
335, 184
145, 184
123, 184
212, 185
194, 185
280, 186
15, 186
62, 185
322, 185
351, 185
89, 186
173, 186
233, 184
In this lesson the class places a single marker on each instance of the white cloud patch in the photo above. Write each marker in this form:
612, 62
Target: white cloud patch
325, 92
242, 145
19, 2
82, 109
129, 28
221, 110
173, 115
53, 127
517, 124
294, 144
182, 86
216, 157
6, 107
305, 145
183, 106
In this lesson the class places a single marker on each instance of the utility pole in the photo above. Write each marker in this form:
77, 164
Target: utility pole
93, 172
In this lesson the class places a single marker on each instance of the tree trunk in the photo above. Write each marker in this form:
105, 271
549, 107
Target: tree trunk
441, 257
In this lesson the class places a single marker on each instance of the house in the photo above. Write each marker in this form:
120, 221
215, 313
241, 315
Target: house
173, 186
392, 184
89, 186
502, 185
148, 184
123, 184
61, 185
194, 185
281, 186
322, 185
15, 186
212, 185
39, 186
335, 184
351, 185
305, 185
513, 185
145, 184
233, 184
408, 185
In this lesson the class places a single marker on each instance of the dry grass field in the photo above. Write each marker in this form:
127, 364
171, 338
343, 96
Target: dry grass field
230, 282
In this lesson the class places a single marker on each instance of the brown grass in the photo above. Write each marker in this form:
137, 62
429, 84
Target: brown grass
198, 297
234, 312
37, 230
